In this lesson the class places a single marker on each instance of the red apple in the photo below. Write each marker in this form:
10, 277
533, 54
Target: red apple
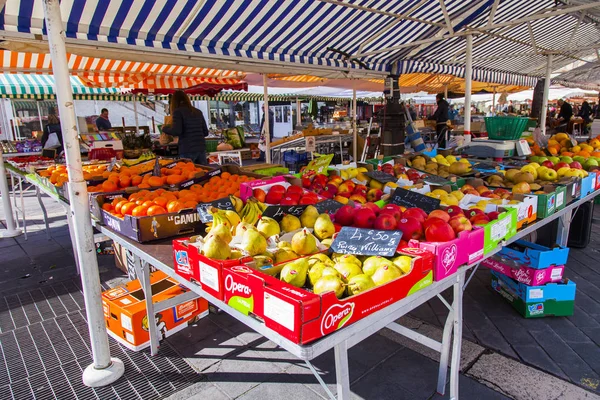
360, 189
364, 218
441, 214
374, 207
464, 188
290, 200
336, 180
403, 243
322, 179
493, 215
385, 222
359, 198
416, 213
439, 231
308, 198
561, 165
473, 212
460, 223
294, 190
392, 209
481, 219
259, 194
374, 194
274, 196
346, 187
576, 164
327, 194
454, 211
548, 164
411, 228
490, 195
306, 182
431, 220
331, 188
345, 215
473, 192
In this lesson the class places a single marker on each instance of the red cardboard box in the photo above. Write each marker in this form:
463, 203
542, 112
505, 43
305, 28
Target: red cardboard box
302, 316
126, 316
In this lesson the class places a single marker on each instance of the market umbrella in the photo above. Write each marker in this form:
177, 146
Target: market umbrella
202, 89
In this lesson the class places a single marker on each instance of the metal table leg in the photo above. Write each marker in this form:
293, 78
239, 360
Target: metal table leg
445, 353
562, 235
22, 207
342, 373
72, 236
143, 272
457, 342
44, 212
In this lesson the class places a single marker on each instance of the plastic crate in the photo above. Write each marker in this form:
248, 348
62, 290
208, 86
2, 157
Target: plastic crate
505, 128
104, 154
211, 145
293, 157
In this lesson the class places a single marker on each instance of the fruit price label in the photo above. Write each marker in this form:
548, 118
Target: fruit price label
436, 180
381, 176
222, 204
408, 199
328, 206
277, 212
320, 164
366, 242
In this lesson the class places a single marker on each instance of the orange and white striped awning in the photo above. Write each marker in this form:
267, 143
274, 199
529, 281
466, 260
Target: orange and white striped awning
102, 72
297, 78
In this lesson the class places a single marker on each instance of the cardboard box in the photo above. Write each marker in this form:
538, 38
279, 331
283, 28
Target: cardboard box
572, 188
588, 184
536, 309
126, 317
467, 248
302, 316
524, 274
559, 291
533, 255
500, 229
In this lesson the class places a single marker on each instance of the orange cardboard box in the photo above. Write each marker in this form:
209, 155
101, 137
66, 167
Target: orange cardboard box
126, 317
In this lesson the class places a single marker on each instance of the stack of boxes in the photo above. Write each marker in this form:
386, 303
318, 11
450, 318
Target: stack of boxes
530, 278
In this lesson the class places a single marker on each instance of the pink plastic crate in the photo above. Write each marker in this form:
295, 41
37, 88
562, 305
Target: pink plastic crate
527, 275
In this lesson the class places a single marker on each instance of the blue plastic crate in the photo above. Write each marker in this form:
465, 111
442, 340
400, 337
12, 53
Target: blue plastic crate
293, 157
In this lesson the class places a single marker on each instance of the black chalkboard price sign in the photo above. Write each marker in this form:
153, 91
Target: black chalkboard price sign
407, 198
328, 206
222, 204
366, 242
381, 176
436, 180
277, 212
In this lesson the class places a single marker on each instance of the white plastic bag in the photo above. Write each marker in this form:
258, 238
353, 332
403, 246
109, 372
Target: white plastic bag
52, 141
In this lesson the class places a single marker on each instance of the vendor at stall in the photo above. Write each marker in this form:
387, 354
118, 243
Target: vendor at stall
189, 126
441, 118
564, 116
102, 122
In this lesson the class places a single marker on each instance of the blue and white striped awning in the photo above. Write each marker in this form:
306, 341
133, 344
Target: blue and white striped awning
43, 86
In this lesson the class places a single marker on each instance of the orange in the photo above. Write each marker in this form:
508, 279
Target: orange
143, 186
161, 201
107, 206
196, 188
225, 175
174, 179
119, 205
155, 181
169, 196
109, 186
124, 181
190, 204
136, 180
148, 203
127, 208
155, 210
159, 191
117, 200
174, 206
139, 211
595, 154
584, 153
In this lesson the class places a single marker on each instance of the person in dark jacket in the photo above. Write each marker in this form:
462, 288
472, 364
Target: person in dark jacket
189, 126
585, 113
564, 117
441, 118
102, 122
52, 127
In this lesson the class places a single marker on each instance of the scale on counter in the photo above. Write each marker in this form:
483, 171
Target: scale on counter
497, 149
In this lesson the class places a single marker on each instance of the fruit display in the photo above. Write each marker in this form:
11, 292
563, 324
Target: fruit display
361, 189
279, 194
27, 162
22, 146
562, 144
533, 176
440, 165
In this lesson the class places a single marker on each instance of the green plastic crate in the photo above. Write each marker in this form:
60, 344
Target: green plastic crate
375, 161
505, 128
211, 145
272, 171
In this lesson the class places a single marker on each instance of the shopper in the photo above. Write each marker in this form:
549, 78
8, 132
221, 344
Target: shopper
52, 136
102, 122
564, 116
441, 118
586, 114
189, 126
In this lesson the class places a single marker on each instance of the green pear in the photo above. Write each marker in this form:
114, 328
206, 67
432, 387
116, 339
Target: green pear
327, 242
268, 227
242, 227
309, 216
331, 271
304, 242
346, 258
295, 272
372, 263
321, 257
253, 242
216, 248
223, 232
283, 255
329, 284
284, 245
385, 274
261, 261
315, 272
347, 270
290, 223
359, 283
323, 227
235, 254
404, 263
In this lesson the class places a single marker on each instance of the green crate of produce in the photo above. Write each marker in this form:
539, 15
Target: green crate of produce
375, 161
272, 171
505, 128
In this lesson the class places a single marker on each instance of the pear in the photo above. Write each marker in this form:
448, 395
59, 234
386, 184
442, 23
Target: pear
216, 248
359, 283
324, 228
372, 263
283, 255
268, 227
309, 216
329, 284
261, 261
284, 245
385, 274
295, 272
240, 228
331, 271
404, 263
223, 232
253, 242
321, 257
290, 223
235, 254
327, 242
304, 242
315, 272
347, 270
346, 258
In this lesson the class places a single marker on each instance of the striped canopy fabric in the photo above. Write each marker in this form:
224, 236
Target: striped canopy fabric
41, 86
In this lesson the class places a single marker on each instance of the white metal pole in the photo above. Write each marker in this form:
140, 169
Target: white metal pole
16, 119
11, 228
298, 112
468, 85
39, 110
135, 113
354, 130
104, 369
544, 113
494, 101
266, 124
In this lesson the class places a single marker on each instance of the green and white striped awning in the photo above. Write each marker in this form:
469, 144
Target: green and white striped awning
33, 86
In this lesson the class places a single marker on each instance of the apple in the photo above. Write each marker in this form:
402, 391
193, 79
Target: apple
321, 178
473, 212
341, 199
309, 198
566, 159
482, 189
359, 198
460, 223
576, 164
548, 164
290, 200
521, 187
480, 219
344, 215
331, 188
306, 182
441, 214
493, 215
549, 175
403, 243
374, 195
554, 159
471, 191
360, 188
259, 194
327, 194
395, 212
385, 222
410, 227
561, 165
491, 195
364, 217
454, 211
466, 187
430, 221
274, 196
439, 231
294, 190
416, 213
346, 187
336, 180
374, 207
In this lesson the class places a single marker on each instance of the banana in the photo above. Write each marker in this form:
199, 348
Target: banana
233, 217
250, 213
219, 217
238, 203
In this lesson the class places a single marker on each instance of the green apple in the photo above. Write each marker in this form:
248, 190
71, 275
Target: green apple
590, 163
566, 159
541, 159
534, 159
579, 159
554, 159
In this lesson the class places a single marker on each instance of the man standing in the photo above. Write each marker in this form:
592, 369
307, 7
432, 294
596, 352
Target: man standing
441, 118
564, 116
102, 122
